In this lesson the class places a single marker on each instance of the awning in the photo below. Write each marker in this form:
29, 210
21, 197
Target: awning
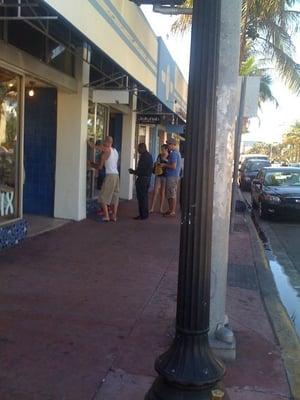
179, 129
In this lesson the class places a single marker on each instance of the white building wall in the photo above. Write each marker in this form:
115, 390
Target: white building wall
120, 29
127, 154
70, 180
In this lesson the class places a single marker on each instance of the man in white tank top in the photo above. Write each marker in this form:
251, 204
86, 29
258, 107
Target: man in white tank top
109, 193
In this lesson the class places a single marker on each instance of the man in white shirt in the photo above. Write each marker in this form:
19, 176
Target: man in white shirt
110, 190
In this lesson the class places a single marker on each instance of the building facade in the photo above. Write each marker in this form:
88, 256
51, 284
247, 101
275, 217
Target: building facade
70, 72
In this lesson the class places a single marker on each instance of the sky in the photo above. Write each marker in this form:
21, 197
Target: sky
272, 122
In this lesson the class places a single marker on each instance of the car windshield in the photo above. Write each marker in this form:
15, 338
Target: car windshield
257, 165
283, 178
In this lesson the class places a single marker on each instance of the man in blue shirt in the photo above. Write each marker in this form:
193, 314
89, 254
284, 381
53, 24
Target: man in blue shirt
173, 168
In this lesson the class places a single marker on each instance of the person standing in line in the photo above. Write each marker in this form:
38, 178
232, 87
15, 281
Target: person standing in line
143, 173
109, 193
160, 178
172, 168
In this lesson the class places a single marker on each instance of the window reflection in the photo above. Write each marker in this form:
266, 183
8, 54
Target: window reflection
97, 130
9, 110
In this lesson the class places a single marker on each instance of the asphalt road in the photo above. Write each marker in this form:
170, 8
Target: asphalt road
283, 252
288, 234
285, 232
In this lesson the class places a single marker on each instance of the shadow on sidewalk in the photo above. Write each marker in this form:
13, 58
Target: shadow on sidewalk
86, 309
81, 300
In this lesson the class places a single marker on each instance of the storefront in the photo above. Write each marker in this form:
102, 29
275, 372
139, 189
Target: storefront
80, 78
97, 129
12, 228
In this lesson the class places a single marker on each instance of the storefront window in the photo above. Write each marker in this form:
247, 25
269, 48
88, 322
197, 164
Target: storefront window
97, 130
9, 145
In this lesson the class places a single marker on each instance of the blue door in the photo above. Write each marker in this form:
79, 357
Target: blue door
40, 152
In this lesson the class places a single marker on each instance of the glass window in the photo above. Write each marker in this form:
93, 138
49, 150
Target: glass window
9, 145
283, 178
142, 134
257, 165
97, 130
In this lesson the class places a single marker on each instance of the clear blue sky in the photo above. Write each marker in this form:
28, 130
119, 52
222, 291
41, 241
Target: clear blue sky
272, 122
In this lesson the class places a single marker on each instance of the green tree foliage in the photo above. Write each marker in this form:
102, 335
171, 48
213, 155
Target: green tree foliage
260, 148
291, 140
267, 27
288, 150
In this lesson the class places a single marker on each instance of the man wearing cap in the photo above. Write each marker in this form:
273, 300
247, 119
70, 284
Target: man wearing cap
172, 168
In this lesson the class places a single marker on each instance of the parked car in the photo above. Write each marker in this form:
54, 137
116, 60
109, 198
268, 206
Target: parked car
249, 170
245, 157
276, 191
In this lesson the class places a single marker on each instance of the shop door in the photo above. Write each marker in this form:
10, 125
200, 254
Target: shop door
115, 130
40, 152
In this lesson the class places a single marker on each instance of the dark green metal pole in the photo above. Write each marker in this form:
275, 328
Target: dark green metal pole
188, 370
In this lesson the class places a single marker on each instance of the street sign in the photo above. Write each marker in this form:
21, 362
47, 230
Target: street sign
159, 2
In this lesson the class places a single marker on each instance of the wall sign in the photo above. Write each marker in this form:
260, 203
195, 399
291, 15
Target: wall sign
147, 119
6, 203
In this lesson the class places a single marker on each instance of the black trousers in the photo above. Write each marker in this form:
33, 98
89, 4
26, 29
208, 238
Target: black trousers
142, 186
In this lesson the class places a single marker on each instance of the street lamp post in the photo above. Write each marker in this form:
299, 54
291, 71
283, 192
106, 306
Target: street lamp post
189, 370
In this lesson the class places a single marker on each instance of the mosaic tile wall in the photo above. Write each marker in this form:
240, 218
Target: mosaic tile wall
13, 234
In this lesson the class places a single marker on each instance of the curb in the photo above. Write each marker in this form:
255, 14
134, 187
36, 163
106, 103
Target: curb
279, 319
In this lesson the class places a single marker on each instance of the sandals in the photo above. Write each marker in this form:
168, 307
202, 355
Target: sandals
169, 214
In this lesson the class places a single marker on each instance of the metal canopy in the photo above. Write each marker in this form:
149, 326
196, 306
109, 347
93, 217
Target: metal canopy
19, 6
105, 74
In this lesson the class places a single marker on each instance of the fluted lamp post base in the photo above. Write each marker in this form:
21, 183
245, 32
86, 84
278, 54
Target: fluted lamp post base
188, 370
162, 390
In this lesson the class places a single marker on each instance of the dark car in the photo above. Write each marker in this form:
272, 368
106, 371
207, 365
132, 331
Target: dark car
276, 191
248, 171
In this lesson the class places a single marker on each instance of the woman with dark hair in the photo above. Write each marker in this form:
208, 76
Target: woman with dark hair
160, 178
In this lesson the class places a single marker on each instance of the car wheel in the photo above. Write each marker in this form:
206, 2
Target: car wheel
262, 212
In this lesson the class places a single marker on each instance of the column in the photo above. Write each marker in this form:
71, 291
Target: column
127, 153
188, 370
72, 114
227, 94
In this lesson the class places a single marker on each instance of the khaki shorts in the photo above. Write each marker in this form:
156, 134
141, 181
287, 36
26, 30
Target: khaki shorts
110, 191
172, 185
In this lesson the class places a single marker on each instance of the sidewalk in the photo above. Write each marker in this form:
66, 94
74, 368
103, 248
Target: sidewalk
86, 309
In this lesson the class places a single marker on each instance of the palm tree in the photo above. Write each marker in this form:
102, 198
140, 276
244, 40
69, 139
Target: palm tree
267, 27
292, 139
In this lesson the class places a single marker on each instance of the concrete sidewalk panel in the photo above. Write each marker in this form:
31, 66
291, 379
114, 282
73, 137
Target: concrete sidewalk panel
120, 385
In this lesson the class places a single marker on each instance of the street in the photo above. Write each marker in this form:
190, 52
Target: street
282, 247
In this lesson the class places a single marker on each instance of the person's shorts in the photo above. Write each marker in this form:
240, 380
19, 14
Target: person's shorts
110, 190
160, 181
172, 185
